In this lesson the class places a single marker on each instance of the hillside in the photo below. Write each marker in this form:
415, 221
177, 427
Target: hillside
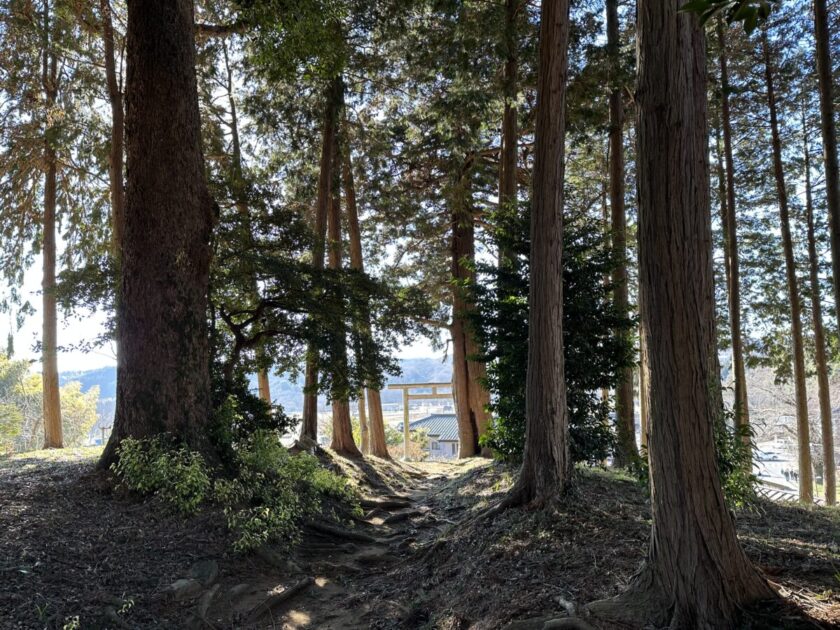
284, 391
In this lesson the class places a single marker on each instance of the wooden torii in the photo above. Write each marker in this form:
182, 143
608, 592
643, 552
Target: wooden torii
408, 396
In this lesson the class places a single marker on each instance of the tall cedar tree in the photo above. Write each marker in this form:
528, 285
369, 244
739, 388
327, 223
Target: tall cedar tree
546, 463
829, 138
803, 430
731, 257
696, 574
625, 417
163, 380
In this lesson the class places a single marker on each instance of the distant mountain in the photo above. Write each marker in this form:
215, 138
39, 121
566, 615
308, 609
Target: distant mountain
283, 391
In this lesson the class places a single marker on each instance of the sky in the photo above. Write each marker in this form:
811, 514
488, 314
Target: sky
85, 326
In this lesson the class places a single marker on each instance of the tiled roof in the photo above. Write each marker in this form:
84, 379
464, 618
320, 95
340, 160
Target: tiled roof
443, 426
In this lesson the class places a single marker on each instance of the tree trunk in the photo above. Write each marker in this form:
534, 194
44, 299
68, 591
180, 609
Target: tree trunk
644, 392
546, 464
829, 139
241, 200
116, 150
696, 574
471, 398
49, 341
820, 359
806, 479
626, 450
373, 433
510, 134
342, 437
733, 265
163, 380
309, 427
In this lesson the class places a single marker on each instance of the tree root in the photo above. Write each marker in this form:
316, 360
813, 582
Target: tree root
273, 601
338, 532
385, 504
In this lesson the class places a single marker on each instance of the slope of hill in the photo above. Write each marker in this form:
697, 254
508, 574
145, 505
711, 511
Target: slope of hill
284, 391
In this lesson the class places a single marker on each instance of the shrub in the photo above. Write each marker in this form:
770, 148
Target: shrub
274, 492
156, 466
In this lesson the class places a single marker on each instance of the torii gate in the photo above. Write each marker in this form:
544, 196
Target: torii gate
407, 396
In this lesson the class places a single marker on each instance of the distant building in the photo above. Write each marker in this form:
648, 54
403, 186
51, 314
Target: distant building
442, 430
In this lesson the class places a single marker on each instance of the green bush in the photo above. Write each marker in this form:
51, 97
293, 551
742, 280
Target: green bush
156, 466
267, 498
275, 492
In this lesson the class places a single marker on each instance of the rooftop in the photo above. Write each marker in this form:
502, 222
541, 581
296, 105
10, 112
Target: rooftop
443, 426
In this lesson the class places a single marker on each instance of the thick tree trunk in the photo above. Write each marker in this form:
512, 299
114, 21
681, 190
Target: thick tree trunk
626, 450
373, 432
829, 139
49, 341
696, 574
546, 464
163, 380
644, 391
820, 358
733, 265
342, 427
309, 427
806, 479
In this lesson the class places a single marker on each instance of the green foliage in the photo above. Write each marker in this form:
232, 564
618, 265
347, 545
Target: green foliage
748, 12
266, 499
594, 354
275, 492
156, 466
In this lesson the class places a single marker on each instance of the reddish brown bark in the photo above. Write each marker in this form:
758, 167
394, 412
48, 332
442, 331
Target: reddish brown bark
696, 575
546, 464
163, 380
333, 98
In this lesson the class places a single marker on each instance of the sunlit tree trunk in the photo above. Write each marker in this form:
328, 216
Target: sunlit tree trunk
696, 575
806, 479
546, 464
733, 264
333, 98
163, 380
342, 428
626, 450
49, 341
820, 358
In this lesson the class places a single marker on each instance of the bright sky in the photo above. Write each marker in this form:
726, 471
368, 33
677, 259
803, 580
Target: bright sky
86, 326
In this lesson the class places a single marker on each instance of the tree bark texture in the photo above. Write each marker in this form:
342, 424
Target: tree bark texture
471, 398
806, 478
342, 427
546, 464
626, 450
53, 437
696, 575
820, 358
732, 258
334, 97
163, 380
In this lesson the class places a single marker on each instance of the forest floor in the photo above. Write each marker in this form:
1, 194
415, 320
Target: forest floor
75, 553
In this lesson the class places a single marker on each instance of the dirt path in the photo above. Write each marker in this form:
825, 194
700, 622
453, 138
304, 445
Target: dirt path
345, 563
